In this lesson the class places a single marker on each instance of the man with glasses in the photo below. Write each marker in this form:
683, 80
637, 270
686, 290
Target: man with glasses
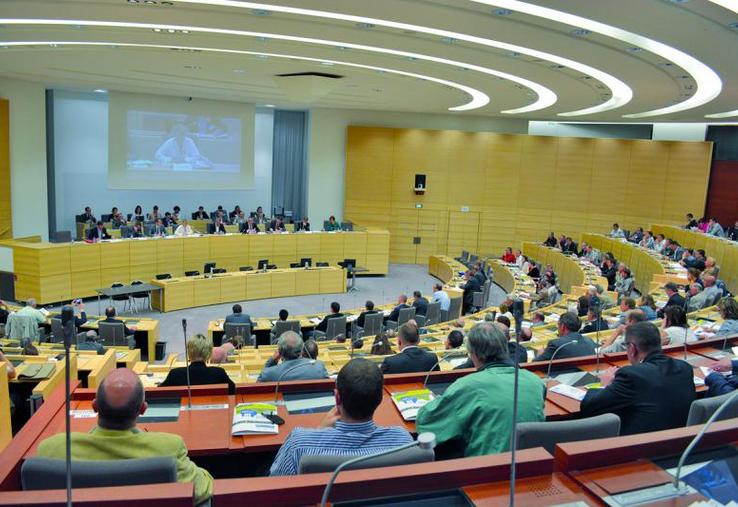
653, 393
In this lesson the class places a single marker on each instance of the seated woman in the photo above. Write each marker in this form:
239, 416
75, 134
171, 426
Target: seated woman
728, 308
382, 345
199, 350
674, 327
648, 305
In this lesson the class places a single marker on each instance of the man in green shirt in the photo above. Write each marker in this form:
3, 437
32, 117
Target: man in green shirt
119, 401
476, 410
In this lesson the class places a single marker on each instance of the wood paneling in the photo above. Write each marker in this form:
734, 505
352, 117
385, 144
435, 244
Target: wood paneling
486, 191
6, 215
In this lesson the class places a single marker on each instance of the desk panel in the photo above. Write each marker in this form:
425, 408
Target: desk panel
206, 291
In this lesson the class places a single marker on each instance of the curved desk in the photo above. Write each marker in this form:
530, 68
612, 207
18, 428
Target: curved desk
724, 251
51, 272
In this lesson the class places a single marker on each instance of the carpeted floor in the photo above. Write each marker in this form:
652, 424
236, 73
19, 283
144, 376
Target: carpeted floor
402, 279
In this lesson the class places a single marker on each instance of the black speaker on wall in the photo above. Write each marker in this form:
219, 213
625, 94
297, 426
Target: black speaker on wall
420, 181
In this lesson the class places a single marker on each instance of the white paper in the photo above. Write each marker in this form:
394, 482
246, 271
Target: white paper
83, 414
569, 391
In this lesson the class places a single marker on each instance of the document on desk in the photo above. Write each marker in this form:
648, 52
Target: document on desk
250, 419
568, 391
315, 320
409, 402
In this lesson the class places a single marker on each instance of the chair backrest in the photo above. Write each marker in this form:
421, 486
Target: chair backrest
347, 226
373, 324
548, 434
61, 237
48, 473
282, 326
473, 258
701, 410
433, 314
405, 315
232, 329
336, 328
486, 288
125, 231
192, 273
111, 332
116, 285
454, 308
57, 330
325, 225
312, 464
163, 276
246, 268
321, 264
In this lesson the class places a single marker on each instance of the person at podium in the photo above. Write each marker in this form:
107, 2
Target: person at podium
332, 225
183, 229
249, 227
303, 225
118, 403
199, 350
349, 428
475, 411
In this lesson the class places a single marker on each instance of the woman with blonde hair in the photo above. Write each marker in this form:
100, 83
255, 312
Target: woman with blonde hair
199, 350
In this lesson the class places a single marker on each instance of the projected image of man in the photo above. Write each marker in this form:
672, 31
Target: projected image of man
180, 151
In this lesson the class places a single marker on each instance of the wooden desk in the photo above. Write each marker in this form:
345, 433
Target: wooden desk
162, 495
542, 490
193, 291
51, 272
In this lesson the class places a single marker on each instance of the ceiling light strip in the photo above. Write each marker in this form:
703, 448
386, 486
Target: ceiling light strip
709, 84
478, 98
545, 96
621, 92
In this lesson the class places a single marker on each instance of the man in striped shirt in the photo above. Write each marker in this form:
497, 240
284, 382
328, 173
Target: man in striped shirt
348, 429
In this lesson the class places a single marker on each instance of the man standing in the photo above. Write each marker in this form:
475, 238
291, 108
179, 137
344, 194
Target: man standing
653, 393
119, 401
348, 429
477, 408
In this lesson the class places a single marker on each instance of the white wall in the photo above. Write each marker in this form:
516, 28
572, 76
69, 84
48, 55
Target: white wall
679, 131
81, 158
27, 156
327, 146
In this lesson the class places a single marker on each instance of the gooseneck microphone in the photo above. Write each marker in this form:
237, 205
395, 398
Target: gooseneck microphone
553, 356
513, 435
686, 321
285, 372
425, 440
67, 318
187, 365
443, 358
696, 440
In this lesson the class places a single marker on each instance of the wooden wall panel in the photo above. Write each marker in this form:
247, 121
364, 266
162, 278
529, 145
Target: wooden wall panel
6, 214
486, 191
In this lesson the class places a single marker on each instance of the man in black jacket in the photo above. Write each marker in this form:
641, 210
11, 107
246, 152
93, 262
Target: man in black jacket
199, 350
653, 393
98, 232
128, 331
471, 286
419, 303
411, 357
335, 312
369, 305
675, 299
394, 315
569, 326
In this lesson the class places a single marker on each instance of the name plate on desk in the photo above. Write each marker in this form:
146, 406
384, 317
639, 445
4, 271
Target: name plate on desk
213, 406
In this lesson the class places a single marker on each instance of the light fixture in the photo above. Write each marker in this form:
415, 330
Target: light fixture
100, 90
709, 84
546, 97
269, 105
477, 98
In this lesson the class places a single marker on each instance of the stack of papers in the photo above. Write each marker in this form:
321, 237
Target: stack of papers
569, 391
409, 402
249, 419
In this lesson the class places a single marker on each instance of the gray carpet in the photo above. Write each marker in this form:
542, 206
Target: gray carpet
402, 279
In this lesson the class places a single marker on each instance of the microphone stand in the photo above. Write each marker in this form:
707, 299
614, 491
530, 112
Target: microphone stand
686, 328
425, 441
187, 366
553, 356
69, 327
598, 316
697, 438
513, 436
443, 358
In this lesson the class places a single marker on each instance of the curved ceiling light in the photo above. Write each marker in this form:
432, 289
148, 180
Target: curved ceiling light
545, 96
479, 99
708, 82
731, 5
621, 92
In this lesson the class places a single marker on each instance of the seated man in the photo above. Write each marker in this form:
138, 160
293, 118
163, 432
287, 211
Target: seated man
119, 401
91, 343
287, 363
675, 299
595, 322
538, 319
411, 357
616, 341
626, 305
653, 393
394, 315
440, 296
476, 409
335, 313
130, 332
331, 225
419, 303
454, 340
369, 310
310, 350
471, 286
277, 225
718, 383
348, 429
199, 350
697, 298
283, 315
568, 328
238, 317
98, 232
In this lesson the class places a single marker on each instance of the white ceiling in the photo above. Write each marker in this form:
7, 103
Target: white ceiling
416, 55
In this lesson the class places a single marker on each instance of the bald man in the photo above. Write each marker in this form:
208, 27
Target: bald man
119, 401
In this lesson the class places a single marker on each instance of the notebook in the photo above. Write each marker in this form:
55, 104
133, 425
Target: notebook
37, 371
249, 419
409, 402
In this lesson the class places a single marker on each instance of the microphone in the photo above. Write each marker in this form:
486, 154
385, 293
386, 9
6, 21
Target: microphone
68, 324
553, 356
425, 441
443, 358
285, 372
686, 320
513, 436
517, 309
187, 365
598, 316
